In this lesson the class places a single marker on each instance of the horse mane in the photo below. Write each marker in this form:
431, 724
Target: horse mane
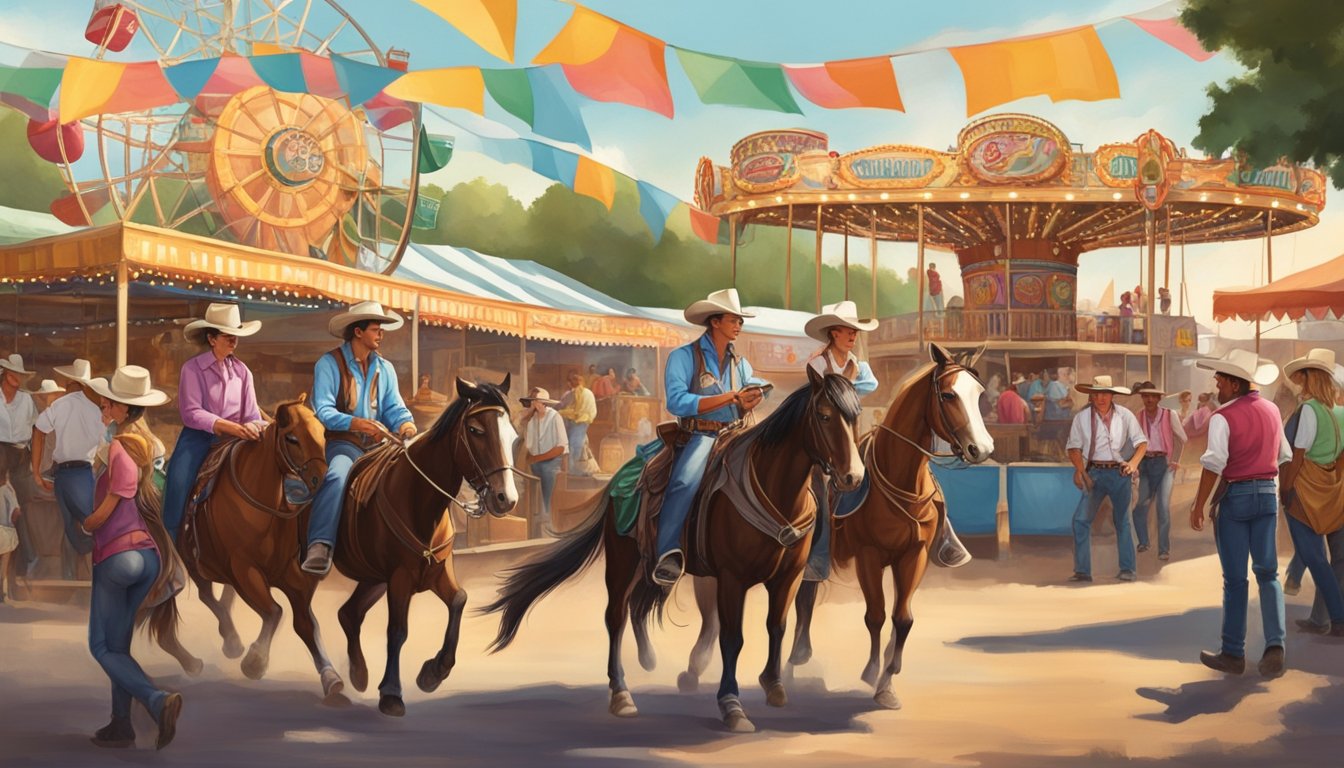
486, 394
779, 424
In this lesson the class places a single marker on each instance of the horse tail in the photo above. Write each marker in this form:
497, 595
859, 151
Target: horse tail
647, 601
527, 583
163, 620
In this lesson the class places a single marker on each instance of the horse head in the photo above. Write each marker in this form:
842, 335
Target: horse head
832, 412
954, 414
300, 443
484, 443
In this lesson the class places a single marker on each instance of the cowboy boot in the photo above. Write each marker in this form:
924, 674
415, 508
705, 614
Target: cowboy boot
117, 734
948, 551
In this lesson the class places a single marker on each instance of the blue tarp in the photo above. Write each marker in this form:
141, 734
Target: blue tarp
972, 494
1041, 499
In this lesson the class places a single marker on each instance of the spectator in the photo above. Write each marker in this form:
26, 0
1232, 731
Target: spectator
9, 535
1126, 318
935, 290
1012, 409
606, 386
1058, 404
1164, 300
545, 443
578, 416
631, 385
591, 377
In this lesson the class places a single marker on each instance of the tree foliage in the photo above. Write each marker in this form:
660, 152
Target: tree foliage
27, 181
1291, 101
614, 252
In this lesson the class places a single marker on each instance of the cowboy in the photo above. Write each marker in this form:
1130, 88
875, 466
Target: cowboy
356, 398
1098, 440
545, 443
579, 412
77, 422
1011, 408
1157, 470
216, 397
18, 414
709, 389
27, 556
1246, 447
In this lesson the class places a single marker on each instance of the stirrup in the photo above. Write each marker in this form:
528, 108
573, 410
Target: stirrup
669, 568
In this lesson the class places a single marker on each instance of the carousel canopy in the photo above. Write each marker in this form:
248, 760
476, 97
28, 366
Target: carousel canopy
1316, 291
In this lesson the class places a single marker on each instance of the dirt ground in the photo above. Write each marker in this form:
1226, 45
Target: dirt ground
1007, 666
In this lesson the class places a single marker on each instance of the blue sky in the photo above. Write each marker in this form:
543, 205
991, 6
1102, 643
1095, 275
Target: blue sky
1161, 88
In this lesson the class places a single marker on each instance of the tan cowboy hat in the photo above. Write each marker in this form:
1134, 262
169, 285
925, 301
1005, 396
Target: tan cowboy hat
1244, 364
723, 302
536, 394
48, 387
844, 314
14, 364
130, 385
1172, 402
1321, 359
1147, 388
224, 318
364, 310
79, 370
1102, 384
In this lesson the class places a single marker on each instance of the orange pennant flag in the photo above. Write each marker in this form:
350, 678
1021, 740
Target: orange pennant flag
847, 84
608, 61
462, 87
491, 24
596, 181
705, 225
587, 36
1071, 64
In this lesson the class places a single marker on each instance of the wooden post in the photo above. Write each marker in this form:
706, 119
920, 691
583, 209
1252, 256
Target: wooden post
1166, 267
1001, 528
817, 279
1150, 228
732, 244
920, 280
522, 366
847, 261
872, 248
788, 260
1181, 312
1269, 246
123, 310
415, 345
1008, 270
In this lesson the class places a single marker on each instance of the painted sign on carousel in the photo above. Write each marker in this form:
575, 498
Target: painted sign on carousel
764, 162
1013, 149
893, 165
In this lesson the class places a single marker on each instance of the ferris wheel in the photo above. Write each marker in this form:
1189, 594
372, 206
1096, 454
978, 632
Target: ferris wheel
302, 172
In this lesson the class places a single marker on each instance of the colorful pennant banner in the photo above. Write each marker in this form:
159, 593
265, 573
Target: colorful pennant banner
737, 83
491, 24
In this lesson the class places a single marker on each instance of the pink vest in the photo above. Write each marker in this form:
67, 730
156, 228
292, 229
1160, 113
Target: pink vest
1164, 428
1253, 438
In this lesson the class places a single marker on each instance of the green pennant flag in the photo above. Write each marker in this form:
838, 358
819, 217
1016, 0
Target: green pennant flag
435, 151
511, 89
737, 83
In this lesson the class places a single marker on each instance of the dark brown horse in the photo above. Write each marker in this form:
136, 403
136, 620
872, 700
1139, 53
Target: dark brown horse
814, 426
898, 520
244, 535
396, 535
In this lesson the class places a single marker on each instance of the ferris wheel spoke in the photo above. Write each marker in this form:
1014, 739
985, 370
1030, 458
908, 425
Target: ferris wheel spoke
303, 22
331, 36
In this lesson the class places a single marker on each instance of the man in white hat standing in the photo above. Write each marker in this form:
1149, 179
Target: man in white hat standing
704, 388
1246, 448
1157, 471
215, 397
77, 422
546, 443
18, 414
1098, 440
355, 396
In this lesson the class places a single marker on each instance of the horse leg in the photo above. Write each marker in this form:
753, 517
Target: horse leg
905, 575
256, 592
169, 641
398, 609
869, 570
299, 589
648, 657
802, 634
707, 600
781, 593
436, 669
621, 574
351, 616
223, 611
731, 596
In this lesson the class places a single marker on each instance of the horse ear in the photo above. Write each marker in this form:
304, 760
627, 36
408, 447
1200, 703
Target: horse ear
970, 358
939, 355
465, 389
504, 385
303, 398
814, 378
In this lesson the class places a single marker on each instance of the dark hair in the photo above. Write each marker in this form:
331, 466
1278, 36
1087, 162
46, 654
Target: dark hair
1240, 386
709, 321
839, 389
629, 372
349, 333
133, 413
486, 394
210, 335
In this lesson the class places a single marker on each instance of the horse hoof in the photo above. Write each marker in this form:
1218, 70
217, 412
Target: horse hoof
332, 685
887, 700
392, 706
734, 717
255, 664
428, 680
800, 656
622, 704
233, 647
648, 659
869, 675
359, 677
775, 695
193, 666
687, 682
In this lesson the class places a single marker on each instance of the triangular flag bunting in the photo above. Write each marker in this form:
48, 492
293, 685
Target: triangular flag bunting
511, 89
595, 180
189, 77
721, 80
491, 24
556, 110
361, 81
655, 206
1071, 64
849, 84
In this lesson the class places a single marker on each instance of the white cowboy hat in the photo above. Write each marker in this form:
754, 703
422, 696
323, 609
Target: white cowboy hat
364, 310
1243, 364
79, 370
14, 364
1322, 359
538, 394
1147, 388
49, 387
1018, 379
723, 302
844, 314
1102, 384
1172, 402
224, 318
130, 385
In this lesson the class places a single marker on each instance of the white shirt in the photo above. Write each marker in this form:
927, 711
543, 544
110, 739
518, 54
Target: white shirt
1306, 428
1215, 456
78, 424
8, 503
1154, 432
16, 418
1124, 433
545, 432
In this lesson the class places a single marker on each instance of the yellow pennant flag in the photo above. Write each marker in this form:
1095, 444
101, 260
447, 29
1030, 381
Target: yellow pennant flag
491, 24
461, 87
587, 36
1071, 64
595, 180
86, 85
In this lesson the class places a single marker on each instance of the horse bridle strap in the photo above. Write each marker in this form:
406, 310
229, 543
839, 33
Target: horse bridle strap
238, 486
896, 496
406, 536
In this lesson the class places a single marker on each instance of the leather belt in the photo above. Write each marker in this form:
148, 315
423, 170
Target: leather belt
1154, 454
705, 425
73, 465
358, 439
1103, 465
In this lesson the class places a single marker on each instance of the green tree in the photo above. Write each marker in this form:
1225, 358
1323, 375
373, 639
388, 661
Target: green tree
26, 181
1290, 102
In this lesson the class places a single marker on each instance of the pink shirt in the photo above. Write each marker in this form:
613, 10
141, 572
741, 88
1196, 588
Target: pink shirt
124, 530
211, 389
1012, 408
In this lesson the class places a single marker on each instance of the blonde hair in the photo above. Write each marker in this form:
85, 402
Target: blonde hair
149, 502
1318, 385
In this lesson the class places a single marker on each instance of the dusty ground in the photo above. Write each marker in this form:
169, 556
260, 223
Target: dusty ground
1007, 666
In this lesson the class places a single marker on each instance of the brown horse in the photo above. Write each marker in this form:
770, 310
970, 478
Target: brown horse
396, 534
898, 520
245, 536
814, 426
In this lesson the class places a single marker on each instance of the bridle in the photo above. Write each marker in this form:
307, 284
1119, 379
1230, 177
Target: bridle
480, 483
938, 409
292, 468
817, 435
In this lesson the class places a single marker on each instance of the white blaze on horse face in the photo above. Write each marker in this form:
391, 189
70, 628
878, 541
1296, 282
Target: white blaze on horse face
507, 438
968, 391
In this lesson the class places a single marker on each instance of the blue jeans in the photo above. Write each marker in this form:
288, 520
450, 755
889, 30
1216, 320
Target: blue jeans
326, 516
1295, 569
183, 467
547, 471
1335, 543
1310, 547
687, 472
1247, 517
1155, 477
1105, 483
578, 435
74, 495
120, 584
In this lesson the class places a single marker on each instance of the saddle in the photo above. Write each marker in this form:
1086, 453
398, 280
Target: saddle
656, 473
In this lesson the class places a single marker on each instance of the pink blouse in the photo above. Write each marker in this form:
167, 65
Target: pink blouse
124, 529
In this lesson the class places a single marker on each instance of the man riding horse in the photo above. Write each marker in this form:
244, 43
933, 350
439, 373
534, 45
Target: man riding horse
703, 384
356, 398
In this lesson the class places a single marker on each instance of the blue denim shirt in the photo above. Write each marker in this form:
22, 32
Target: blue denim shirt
390, 410
683, 395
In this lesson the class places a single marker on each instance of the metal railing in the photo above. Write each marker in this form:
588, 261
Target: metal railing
973, 325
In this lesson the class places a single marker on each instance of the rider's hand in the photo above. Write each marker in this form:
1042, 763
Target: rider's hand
750, 398
407, 431
365, 426
249, 431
